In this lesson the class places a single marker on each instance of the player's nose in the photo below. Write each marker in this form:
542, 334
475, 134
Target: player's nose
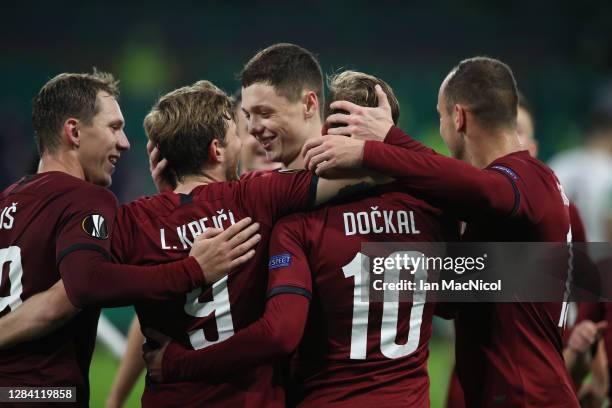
122, 142
254, 127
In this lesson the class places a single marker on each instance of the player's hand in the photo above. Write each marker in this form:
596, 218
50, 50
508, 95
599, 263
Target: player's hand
218, 251
157, 167
585, 334
328, 154
361, 122
154, 357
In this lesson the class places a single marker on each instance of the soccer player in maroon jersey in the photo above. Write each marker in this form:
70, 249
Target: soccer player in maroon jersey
353, 353
525, 130
194, 130
282, 87
508, 354
57, 225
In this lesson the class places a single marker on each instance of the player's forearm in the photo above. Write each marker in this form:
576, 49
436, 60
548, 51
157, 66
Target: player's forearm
132, 365
276, 334
458, 187
36, 317
91, 280
396, 137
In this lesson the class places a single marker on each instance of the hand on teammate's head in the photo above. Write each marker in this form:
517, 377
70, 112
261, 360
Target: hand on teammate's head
326, 155
158, 168
361, 122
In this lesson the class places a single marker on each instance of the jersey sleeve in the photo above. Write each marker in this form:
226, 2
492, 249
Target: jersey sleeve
280, 192
87, 222
288, 268
396, 137
276, 334
462, 190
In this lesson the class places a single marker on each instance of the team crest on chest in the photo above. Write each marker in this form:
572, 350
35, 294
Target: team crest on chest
95, 225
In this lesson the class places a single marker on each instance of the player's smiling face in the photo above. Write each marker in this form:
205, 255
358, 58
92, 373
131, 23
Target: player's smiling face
276, 122
102, 141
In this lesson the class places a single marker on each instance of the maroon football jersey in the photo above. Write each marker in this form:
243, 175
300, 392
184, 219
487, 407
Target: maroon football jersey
355, 352
43, 218
508, 354
162, 228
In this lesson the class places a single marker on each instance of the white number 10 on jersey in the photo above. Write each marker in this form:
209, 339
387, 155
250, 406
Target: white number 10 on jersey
361, 308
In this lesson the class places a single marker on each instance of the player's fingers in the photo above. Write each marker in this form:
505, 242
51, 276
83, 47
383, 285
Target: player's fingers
159, 168
243, 248
340, 131
311, 154
242, 259
150, 147
345, 106
324, 129
312, 143
318, 160
235, 229
601, 326
154, 157
243, 235
338, 118
209, 233
383, 101
324, 168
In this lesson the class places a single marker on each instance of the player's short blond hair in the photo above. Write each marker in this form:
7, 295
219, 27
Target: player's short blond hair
184, 122
358, 88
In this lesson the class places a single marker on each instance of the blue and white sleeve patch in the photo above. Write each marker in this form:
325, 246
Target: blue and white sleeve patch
506, 170
280, 261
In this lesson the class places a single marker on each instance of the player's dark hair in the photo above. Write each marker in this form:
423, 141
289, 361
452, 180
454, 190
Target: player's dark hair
358, 88
65, 96
184, 122
488, 88
289, 68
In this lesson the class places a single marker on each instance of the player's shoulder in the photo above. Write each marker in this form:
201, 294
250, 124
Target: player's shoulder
521, 166
157, 205
61, 188
298, 220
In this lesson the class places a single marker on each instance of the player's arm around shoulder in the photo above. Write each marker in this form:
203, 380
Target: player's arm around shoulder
37, 316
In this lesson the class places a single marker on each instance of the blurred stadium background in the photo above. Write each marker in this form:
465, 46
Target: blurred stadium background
560, 51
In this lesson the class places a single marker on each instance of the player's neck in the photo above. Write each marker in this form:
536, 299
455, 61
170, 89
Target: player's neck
314, 130
187, 184
66, 162
296, 163
484, 148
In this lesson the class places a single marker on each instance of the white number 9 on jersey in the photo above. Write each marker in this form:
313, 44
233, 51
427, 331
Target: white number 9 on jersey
12, 257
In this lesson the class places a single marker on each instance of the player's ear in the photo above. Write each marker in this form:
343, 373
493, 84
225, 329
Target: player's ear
215, 152
71, 132
311, 104
459, 118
